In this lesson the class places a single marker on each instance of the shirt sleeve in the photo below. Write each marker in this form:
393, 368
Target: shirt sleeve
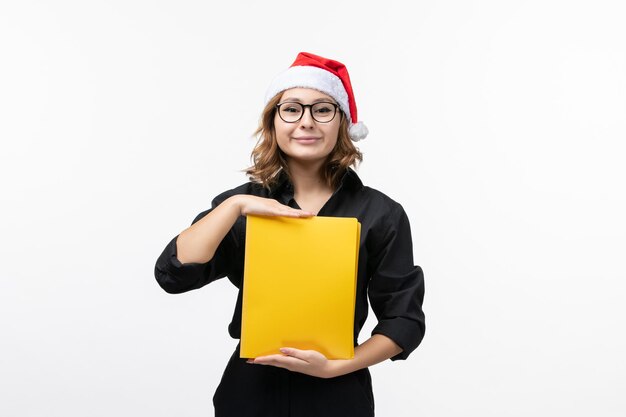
396, 288
175, 277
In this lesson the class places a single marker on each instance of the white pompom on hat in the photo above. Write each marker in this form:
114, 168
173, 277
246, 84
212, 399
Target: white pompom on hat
325, 75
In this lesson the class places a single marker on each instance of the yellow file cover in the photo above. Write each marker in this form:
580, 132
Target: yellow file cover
299, 285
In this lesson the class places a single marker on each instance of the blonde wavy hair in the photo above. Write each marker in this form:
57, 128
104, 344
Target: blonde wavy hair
268, 160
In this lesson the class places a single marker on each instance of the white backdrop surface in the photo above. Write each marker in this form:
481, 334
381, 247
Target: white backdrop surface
499, 126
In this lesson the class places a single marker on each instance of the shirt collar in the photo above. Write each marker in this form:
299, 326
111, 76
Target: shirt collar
284, 187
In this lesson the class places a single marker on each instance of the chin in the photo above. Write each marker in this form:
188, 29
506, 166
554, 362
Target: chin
307, 157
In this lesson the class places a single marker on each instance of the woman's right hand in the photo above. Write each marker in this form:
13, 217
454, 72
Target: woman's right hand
250, 204
199, 241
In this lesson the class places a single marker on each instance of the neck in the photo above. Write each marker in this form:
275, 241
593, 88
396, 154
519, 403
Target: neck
307, 177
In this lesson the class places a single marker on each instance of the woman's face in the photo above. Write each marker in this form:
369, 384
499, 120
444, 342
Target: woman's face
307, 140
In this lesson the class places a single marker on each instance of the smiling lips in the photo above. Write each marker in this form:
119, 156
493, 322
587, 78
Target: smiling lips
306, 139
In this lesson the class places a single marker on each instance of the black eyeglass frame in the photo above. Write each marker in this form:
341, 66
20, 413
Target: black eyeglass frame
310, 106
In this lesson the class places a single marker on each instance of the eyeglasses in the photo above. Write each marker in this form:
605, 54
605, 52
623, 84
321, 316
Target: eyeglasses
322, 112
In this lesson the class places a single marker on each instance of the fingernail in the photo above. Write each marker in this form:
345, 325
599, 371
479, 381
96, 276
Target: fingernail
283, 350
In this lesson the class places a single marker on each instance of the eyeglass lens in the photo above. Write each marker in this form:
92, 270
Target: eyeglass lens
321, 112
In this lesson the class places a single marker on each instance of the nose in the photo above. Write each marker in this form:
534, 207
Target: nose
307, 117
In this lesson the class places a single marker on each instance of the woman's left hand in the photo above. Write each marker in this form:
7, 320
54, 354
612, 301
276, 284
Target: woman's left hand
308, 362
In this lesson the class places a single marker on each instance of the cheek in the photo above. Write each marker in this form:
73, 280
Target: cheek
282, 129
282, 136
334, 133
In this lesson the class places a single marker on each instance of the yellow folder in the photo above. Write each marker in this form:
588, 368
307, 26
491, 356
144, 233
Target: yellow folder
299, 285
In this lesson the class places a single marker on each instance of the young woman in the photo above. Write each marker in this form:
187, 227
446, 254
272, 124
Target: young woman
302, 168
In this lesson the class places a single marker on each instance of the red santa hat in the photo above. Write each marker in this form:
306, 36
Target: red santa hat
325, 75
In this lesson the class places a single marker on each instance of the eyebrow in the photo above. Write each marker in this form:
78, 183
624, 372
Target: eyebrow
319, 100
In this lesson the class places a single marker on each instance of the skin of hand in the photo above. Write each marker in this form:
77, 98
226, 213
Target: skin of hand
249, 204
199, 241
374, 350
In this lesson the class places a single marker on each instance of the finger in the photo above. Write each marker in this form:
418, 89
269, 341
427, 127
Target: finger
291, 212
280, 212
264, 359
288, 209
280, 361
302, 212
304, 355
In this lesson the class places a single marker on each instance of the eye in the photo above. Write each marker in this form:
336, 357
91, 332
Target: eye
324, 108
290, 108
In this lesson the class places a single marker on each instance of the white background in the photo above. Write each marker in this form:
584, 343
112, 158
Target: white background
499, 125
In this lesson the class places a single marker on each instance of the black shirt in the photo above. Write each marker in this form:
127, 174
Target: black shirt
386, 272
